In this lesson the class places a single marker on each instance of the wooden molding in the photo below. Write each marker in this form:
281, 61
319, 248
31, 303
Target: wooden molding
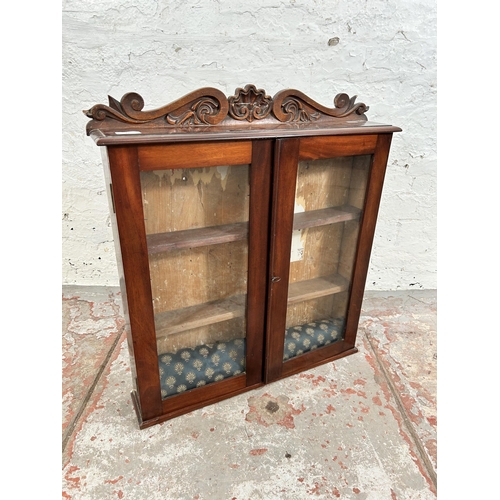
210, 108
249, 104
294, 106
206, 106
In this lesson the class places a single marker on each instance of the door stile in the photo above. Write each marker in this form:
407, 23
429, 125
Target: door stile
258, 243
284, 180
366, 235
126, 187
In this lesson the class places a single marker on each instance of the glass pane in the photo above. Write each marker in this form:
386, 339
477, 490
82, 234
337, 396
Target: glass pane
329, 201
197, 230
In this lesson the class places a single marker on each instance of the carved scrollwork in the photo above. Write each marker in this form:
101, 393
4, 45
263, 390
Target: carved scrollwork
249, 104
206, 106
297, 112
199, 113
115, 111
346, 105
294, 106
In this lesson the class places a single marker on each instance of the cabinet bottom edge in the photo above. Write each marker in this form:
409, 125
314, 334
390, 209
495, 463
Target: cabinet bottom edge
294, 370
143, 424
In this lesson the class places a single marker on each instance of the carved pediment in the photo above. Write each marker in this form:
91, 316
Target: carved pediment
209, 107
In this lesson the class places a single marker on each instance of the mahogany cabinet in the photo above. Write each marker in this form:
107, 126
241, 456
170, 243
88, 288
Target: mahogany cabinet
243, 227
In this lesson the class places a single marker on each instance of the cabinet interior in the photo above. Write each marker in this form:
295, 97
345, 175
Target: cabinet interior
196, 222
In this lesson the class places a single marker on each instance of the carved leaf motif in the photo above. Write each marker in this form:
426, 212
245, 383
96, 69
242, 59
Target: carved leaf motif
249, 104
294, 106
197, 114
297, 111
207, 106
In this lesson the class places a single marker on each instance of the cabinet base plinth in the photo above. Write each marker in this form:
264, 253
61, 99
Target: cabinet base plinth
309, 363
143, 424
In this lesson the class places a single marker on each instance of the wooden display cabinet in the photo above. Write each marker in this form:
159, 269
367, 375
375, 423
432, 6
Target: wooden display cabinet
243, 228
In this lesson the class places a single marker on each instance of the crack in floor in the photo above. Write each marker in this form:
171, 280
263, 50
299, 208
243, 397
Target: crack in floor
68, 432
408, 424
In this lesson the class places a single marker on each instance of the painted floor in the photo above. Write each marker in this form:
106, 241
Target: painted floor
362, 427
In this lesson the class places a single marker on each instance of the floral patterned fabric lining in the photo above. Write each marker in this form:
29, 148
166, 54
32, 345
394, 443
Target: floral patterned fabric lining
197, 366
304, 338
193, 367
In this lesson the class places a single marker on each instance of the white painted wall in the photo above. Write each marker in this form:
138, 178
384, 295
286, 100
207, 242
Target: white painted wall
162, 49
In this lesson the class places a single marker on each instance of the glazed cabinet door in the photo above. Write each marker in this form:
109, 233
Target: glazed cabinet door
195, 215
326, 196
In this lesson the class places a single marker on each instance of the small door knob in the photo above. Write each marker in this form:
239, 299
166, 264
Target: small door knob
275, 279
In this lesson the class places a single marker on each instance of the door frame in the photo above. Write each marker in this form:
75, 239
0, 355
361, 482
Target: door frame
288, 153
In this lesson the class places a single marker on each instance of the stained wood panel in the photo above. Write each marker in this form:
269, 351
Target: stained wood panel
312, 148
201, 154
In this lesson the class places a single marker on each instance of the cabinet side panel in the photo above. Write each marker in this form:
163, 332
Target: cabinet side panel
366, 233
119, 262
124, 170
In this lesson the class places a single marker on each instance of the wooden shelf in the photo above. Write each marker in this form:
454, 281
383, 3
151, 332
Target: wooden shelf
317, 287
203, 236
182, 320
191, 238
324, 216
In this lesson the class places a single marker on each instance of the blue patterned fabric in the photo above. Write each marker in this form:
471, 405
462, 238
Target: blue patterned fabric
193, 367
304, 338
197, 366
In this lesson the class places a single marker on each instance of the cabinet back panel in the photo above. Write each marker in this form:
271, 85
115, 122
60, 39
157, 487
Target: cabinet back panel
317, 309
357, 194
188, 278
348, 250
323, 183
208, 334
175, 200
359, 180
325, 251
320, 184
324, 241
184, 278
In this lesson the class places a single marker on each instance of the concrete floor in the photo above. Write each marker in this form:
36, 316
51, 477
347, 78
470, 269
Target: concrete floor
363, 427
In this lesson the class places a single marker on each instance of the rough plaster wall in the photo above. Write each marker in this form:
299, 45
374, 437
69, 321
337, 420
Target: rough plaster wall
384, 51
